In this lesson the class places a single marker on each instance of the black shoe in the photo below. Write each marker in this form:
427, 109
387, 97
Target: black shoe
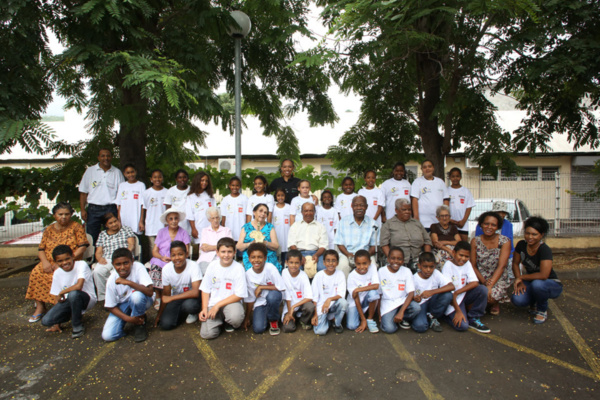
338, 329
140, 333
228, 328
78, 334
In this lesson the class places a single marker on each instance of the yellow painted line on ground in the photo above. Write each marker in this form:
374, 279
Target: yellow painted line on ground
579, 342
68, 386
269, 381
217, 368
424, 383
589, 303
539, 355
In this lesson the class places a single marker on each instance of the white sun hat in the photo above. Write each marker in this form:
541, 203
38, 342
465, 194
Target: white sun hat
163, 217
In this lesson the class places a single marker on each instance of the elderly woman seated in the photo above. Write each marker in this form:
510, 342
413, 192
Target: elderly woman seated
405, 232
444, 236
209, 237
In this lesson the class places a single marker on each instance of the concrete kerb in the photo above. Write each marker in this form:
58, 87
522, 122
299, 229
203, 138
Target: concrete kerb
24, 268
577, 274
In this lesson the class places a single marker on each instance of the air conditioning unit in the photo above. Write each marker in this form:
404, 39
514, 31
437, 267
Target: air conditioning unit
469, 163
195, 166
227, 164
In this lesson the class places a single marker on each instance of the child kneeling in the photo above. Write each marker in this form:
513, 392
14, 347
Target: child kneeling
73, 285
223, 288
264, 292
329, 290
128, 295
181, 280
363, 295
298, 294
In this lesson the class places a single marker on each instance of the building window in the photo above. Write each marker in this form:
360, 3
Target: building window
505, 176
548, 173
530, 174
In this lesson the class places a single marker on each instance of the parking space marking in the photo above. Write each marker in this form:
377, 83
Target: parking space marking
68, 386
579, 342
538, 354
585, 301
424, 383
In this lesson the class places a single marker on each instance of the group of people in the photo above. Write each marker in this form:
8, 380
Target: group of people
317, 259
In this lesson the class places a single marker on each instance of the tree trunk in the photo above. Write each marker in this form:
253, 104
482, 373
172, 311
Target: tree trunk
132, 133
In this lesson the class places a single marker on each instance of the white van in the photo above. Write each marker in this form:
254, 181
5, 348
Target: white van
517, 214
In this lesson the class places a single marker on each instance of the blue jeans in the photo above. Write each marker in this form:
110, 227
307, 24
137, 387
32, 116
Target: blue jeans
337, 310
308, 253
261, 316
436, 306
94, 219
387, 320
477, 299
353, 316
176, 311
135, 306
537, 292
70, 309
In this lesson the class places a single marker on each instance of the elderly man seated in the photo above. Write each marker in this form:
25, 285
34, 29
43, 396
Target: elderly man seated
405, 232
309, 236
355, 232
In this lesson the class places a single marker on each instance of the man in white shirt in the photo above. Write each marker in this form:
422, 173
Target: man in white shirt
309, 236
98, 191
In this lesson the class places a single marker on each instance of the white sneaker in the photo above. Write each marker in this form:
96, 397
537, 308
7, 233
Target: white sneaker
191, 318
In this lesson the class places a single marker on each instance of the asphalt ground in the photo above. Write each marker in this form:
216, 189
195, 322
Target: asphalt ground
556, 360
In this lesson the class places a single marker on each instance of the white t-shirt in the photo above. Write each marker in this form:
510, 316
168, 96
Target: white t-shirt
330, 220
343, 204
195, 210
221, 282
117, 294
62, 280
177, 198
325, 286
129, 198
234, 211
460, 200
154, 206
460, 277
375, 198
255, 200
394, 288
281, 222
435, 281
296, 206
392, 191
431, 195
268, 276
356, 280
296, 289
101, 186
181, 283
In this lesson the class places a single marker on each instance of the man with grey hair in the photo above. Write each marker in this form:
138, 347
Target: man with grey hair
405, 232
309, 236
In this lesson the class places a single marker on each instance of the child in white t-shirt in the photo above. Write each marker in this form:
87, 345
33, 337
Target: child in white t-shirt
281, 222
329, 292
298, 294
233, 208
264, 292
198, 201
153, 201
397, 291
363, 294
468, 293
181, 280
374, 196
328, 216
427, 193
433, 292
343, 203
72, 284
461, 203
297, 202
129, 200
128, 295
397, 187
177, 196
260, 196
223, 289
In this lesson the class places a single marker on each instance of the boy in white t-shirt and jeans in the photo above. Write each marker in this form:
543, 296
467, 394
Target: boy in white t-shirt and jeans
298, 294
72, 284
468, 293
363, 294
264, 292
153, 206
433, 292
223, 289
181, 280
329, 292
128, 295
397, 291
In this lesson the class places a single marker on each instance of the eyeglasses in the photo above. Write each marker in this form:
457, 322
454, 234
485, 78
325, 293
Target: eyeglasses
445, 216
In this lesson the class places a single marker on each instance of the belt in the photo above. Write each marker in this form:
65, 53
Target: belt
99, 206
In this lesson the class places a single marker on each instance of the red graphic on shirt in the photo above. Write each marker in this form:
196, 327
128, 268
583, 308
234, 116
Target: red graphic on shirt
330, 223
406, 192
299, 294
463, 280
228, 286
374, 202
209, 204
462, 201
401, 287
269, 283
136, 196
286, 222
240, 209
185, 289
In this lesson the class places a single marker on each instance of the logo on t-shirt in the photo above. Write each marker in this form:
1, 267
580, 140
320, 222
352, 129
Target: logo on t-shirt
401, 287
136, 196
462, 201
286, 222
186, 288
374, 202
299, 295
94, 184
330, 223
228, 286
406, 192
240, 209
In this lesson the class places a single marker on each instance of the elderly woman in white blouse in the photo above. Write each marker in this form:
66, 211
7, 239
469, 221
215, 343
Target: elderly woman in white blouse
209, 237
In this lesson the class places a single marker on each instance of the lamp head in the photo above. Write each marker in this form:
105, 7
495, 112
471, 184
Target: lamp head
244, 23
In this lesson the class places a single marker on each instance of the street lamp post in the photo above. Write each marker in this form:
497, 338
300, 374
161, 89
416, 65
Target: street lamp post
238, 33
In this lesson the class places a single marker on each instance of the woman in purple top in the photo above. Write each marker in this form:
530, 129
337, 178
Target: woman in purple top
161, 252
210, 236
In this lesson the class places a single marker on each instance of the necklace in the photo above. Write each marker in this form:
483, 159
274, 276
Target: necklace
444, 231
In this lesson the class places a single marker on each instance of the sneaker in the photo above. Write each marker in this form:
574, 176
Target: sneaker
478, 326
372, 325
78, 334
228, 328
435, 325
274, 328
338, 329
404, 324
191, 318
140, 333
306, 327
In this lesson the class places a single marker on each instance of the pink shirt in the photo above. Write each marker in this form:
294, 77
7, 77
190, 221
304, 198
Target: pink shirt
210, 236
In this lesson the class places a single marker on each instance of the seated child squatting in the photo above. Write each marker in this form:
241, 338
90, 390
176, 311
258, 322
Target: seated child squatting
329, 292
298, 294
363, 294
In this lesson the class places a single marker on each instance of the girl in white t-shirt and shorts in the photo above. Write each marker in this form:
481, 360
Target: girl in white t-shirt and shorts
461, 203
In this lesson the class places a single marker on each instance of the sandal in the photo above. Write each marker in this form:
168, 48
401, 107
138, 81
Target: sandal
543, 315
36, 317
495, 310
157, 304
